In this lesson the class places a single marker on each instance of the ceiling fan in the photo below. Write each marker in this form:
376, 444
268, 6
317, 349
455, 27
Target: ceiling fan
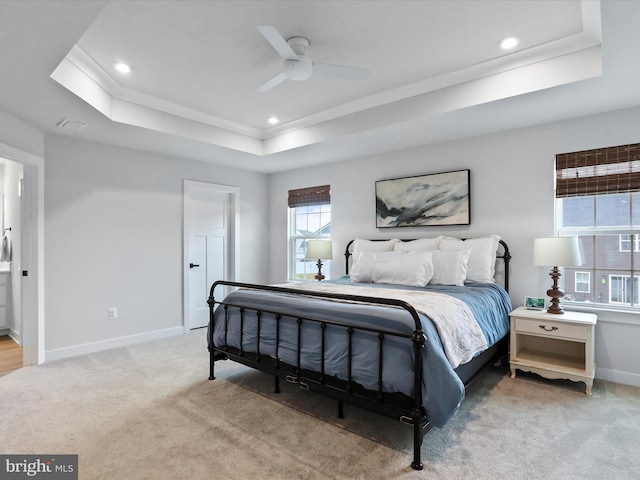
297, 65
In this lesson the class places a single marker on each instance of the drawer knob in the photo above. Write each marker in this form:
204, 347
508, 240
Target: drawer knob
550, 329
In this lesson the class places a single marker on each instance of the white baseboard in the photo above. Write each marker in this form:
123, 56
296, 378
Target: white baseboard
13, 333
75, 350
617, 376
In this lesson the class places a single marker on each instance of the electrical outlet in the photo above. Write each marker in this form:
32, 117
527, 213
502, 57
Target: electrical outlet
113, 313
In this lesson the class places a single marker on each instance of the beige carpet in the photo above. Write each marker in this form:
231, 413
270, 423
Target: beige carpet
148, 411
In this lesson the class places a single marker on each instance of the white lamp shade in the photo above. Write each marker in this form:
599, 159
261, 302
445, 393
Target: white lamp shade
557, 252
319, 249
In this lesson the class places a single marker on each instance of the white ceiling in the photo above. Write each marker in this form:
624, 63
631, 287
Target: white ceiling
436, 72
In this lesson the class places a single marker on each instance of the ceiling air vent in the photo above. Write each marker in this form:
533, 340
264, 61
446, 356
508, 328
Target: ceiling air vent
71, 125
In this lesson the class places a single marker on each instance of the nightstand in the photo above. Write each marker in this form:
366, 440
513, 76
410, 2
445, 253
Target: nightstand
553, 346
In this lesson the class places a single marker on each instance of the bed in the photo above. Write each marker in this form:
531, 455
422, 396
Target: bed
402, 335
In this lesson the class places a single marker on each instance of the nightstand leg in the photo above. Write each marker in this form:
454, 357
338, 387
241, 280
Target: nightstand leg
589, 384
513, 372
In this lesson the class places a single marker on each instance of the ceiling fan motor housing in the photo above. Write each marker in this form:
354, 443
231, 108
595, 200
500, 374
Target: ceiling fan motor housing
298, 44
300, 69
295, 63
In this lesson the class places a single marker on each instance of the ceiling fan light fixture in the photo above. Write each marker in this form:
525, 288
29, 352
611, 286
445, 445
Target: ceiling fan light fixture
300, 69
508, 43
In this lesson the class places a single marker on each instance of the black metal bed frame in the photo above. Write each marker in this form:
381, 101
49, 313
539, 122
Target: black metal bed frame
407, 409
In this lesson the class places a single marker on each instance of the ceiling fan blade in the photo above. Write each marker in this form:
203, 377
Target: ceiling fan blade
277, 80
340, 71
278, 42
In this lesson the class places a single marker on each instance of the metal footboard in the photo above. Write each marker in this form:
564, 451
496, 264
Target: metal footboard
407, 409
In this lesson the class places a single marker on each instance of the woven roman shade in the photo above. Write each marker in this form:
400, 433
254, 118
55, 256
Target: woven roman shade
599, 171
310, 196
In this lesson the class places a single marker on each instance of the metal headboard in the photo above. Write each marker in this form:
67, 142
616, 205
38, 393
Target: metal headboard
505, 256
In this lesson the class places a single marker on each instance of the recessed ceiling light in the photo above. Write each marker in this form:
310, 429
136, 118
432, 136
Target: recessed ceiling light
509, 42
122, 67
273, 120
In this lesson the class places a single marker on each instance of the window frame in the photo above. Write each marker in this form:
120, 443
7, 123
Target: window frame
588, 281
294, 237
599, 231
597, 174
634, 289
636, 242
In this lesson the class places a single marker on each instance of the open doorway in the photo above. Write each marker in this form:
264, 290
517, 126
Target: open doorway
22, 212
11, 352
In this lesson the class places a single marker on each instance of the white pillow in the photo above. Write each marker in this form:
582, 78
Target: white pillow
360, 245
362, 269
414, 270
420, 245
482, 262
450, 267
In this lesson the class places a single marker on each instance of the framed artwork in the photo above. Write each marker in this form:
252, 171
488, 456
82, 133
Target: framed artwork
426, 200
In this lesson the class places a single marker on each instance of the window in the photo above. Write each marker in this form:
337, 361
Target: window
625, 243
309, 219
621, 290
598, 200
583, 282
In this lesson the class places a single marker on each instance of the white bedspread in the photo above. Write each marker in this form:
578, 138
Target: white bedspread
459, 331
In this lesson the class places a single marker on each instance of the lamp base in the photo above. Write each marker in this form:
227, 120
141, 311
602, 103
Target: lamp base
555, 293
319, 277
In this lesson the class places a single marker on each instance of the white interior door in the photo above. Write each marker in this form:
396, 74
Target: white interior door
208, 215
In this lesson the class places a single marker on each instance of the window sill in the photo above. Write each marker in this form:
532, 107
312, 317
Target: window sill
607, 313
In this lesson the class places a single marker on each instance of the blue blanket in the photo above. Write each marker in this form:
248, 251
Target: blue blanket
442, 389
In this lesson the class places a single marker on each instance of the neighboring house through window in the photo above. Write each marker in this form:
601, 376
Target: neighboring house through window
598, 200
309, 219
625, 243
621, 290
583, 282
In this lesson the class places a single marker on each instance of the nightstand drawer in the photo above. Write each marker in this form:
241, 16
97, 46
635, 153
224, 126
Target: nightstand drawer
550, 328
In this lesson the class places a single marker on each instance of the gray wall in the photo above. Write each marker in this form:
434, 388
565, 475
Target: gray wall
113, 229
511, 195
20, 135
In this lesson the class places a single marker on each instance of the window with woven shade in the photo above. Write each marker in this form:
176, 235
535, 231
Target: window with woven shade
309, 219
598, 200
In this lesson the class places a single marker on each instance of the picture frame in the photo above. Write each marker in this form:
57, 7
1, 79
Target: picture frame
424, 200
535, 303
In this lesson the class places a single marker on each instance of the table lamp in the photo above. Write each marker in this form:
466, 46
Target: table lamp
556, 252
321, 250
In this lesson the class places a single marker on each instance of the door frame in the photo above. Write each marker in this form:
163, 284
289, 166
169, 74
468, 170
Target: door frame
233, 238
32, 323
